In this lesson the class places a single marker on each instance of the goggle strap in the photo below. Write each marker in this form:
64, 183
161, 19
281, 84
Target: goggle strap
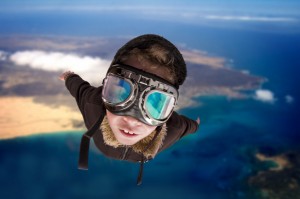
84, 153
142, 72
140, 176
85, 145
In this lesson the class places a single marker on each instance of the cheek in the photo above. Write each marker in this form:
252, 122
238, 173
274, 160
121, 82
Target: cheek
113, 120
149, 129
152, 128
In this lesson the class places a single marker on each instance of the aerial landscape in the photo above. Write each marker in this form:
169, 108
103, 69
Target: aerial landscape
243, 65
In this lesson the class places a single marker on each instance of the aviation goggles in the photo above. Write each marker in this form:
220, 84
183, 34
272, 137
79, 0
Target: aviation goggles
128, 91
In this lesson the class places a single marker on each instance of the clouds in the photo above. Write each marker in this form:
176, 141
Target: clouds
244, 15
264, 96
221, 11
289, 99
3, 55
250, 18
91, 68
268, 96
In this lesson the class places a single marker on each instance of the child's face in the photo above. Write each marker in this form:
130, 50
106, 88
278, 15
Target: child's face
121, 125
127, 129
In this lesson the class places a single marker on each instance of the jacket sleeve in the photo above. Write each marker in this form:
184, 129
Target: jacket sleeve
81, 90
177, 127
182, 124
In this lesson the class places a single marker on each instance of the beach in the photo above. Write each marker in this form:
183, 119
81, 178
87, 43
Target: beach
22, 116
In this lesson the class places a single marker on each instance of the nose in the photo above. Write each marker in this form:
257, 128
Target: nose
132, 121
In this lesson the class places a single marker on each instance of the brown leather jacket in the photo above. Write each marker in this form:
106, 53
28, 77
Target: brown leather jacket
90, 103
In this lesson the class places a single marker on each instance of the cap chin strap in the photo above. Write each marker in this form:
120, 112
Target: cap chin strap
140, 176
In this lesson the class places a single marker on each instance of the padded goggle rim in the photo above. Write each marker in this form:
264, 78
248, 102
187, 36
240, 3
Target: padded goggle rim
146, 93
128, 102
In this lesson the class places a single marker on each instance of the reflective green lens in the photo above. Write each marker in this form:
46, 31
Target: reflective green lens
116, 90
159, 105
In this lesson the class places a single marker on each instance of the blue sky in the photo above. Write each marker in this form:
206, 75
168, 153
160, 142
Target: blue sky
19, 15
188, 10
292, 6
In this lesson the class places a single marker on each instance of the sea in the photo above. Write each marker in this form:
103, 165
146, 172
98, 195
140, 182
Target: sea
217, 161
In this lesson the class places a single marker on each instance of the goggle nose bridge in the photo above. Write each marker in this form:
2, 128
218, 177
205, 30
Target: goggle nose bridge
138, 79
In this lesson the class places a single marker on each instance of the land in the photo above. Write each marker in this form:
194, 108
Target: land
35, 101
281, 181
22, 116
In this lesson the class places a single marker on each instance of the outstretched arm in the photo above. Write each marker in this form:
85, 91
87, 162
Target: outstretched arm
81, 90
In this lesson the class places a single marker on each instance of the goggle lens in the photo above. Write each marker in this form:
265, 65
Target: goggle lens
116, 90
159, 105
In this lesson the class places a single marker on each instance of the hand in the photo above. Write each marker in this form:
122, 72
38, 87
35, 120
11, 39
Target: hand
65, 75
198, 120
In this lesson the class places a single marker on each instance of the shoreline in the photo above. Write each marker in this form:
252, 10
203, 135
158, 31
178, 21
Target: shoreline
21, 116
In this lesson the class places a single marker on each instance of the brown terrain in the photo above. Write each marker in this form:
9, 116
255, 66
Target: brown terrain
35, 101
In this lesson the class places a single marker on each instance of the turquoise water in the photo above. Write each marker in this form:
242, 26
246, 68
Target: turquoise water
45, 167
216, 162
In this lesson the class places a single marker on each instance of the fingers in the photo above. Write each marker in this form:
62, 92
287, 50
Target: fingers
65, 75
198, 120
61, 77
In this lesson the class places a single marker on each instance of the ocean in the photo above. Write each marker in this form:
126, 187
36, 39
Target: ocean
216, 162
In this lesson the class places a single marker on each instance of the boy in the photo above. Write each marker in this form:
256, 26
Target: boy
130, 116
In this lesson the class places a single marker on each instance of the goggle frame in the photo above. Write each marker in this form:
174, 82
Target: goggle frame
142, 84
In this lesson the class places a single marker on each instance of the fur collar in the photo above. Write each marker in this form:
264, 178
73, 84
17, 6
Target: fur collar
109, 139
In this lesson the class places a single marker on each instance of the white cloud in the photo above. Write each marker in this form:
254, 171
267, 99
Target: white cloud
289, 99
264, 95
92, 69
249, 18
246, 72
194, 11
3, 55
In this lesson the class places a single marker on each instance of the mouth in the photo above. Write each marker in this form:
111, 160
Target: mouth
127, 133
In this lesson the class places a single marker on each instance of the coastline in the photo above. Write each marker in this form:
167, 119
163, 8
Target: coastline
21, 116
